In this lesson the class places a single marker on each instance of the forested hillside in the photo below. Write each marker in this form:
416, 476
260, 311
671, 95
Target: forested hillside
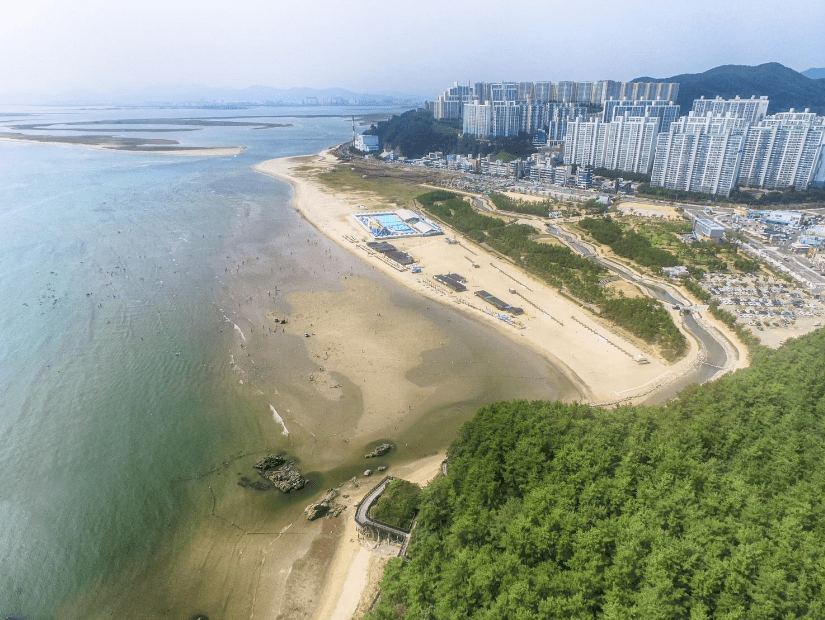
710, 507
416, 133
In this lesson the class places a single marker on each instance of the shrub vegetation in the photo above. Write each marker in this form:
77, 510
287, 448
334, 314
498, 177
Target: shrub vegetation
398, 504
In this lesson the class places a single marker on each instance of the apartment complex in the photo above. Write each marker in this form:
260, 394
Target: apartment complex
699, 154
719, 145
665, 111
752, 110
449, 103
780, 155
624, 143
508, 118
724, 143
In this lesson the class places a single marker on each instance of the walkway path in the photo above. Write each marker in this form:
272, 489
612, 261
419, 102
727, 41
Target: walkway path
362, 517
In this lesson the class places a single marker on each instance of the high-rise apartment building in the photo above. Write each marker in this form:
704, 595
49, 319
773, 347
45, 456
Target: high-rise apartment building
604, 90
699, 155
565, 92
583, 93
477, 119
544, 91
450, 104
626, 143
781, 155
666, 91
506, 118
666, 111
525, 91
752, 110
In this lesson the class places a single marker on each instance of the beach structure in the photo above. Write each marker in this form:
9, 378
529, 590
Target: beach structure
498, 303
454, 281
401, 223
391, 252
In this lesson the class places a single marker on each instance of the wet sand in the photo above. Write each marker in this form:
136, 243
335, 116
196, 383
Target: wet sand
386, 359
395, 358
381, 363
571, 337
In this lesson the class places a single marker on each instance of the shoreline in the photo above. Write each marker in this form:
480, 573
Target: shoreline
589, 354
565, 334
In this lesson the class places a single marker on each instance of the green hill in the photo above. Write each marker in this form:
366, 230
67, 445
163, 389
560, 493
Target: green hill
784, 87
709, 507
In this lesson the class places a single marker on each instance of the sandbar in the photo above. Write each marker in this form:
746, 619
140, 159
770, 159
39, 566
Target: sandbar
131, 145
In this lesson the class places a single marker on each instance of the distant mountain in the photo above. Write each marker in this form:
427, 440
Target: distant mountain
784, 87
814, 74
197, 94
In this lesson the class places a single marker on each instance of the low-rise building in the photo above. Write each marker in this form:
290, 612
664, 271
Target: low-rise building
707, 230
367, 143
679, 271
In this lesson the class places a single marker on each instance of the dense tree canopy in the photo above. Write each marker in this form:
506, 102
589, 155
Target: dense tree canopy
709, 507
416, 133
627, 243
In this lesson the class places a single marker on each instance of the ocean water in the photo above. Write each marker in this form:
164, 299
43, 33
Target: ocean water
112, 311
123, 420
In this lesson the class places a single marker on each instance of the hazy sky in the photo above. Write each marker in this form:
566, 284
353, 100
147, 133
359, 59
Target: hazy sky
420, 46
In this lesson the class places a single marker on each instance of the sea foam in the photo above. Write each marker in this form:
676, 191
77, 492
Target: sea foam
280, 421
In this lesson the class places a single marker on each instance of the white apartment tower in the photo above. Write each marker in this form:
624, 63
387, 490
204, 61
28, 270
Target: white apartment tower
450, 104
626, 143
781, 155
506, 118
752, 110
477, 119
699, 155
666, 111
544, 91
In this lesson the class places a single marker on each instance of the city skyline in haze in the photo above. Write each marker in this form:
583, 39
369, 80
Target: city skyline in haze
47, 48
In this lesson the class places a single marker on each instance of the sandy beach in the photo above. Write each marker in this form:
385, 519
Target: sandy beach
349, 347
557, 328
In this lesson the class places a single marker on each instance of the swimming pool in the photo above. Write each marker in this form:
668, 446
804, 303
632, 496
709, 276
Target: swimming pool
389, 224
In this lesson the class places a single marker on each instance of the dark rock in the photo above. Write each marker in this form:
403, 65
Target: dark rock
325, 506
270, 462
379, 451
286, 477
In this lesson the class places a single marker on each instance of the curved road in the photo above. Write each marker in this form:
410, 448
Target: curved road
716, 354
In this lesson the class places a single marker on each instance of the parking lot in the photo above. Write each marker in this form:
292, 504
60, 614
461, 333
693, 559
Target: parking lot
773, 309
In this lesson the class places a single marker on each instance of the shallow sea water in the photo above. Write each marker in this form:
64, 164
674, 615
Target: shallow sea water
123, 424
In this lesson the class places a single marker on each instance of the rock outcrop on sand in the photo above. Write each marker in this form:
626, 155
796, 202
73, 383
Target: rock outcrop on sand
379, 451
280, 473
326, 506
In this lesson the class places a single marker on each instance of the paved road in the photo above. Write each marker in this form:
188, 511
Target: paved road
716, 353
